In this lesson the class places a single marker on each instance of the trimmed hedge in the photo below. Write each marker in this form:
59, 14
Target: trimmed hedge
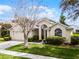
75, 40
75, 34
7, 38
55, 40
35, 38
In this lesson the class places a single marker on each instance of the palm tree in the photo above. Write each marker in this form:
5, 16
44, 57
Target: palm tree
62, 19
71, 7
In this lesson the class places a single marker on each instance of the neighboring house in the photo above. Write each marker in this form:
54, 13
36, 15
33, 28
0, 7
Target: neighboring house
75, 28
43, 29
77, 31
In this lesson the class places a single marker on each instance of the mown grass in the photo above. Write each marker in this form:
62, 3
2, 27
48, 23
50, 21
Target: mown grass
3, 56
49, 50
2, 40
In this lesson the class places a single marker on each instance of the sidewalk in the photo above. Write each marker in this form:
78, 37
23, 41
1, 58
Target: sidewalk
8, 44
27, 55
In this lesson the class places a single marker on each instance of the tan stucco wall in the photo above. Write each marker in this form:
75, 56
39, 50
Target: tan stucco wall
17, 34
46, 23
65, 33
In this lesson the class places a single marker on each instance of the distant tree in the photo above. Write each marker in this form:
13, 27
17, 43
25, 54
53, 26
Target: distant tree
6, 26
5, 29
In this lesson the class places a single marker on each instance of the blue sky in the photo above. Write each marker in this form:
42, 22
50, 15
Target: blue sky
7, 4
51, 8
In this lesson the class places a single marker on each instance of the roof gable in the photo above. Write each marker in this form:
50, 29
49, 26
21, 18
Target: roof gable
47, 21
67, 27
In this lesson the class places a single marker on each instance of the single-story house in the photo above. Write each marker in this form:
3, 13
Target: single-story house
44, 29
76, 29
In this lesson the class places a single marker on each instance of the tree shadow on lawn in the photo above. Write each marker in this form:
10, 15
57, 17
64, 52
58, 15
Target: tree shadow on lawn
48, 50
65, 53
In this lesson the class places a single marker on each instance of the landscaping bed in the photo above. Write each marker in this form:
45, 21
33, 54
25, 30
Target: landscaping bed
49, 50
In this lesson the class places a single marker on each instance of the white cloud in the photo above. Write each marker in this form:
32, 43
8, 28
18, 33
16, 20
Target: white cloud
5, 8
46, 12
50, 13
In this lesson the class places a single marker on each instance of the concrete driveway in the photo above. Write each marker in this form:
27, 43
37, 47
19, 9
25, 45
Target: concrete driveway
8, 44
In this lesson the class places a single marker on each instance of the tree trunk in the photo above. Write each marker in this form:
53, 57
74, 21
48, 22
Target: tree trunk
25, 39
26, 42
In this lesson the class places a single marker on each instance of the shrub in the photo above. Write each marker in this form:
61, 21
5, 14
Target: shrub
75, 34
35, 38
30, 39
5, 33
55, 40
7, 38
75, 40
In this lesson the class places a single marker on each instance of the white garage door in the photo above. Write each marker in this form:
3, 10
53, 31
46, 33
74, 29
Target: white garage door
17, 35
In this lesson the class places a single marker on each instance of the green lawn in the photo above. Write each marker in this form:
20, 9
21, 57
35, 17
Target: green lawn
48, 50
1, 40
3, 56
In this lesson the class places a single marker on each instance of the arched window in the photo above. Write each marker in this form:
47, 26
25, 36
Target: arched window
44, 26
58, 32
